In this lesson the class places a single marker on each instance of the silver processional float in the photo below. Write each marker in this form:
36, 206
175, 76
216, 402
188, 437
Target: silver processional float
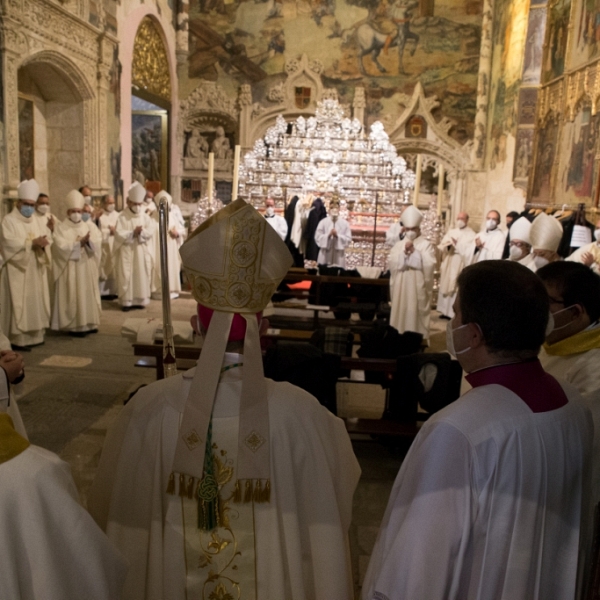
169, 360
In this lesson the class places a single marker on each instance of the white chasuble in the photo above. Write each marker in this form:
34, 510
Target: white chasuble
24, 294
493, 245
176, 225
332, 250
411, 286
108, 283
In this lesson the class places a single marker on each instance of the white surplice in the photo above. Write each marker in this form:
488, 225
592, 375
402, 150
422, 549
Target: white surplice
300, 537
134, 258
24, 293
76, 304
455, 256
42, 222
176, 224
53, 550
528, 261
411, 286
108, 278
493, 245
593, 249
487, 504
279, 224
332, 250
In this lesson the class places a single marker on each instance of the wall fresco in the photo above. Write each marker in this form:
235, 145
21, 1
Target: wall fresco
545, 149
385, 45
585, 38
556, 47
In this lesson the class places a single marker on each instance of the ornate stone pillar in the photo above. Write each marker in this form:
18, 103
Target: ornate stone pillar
183, 16
245, 104
359, 104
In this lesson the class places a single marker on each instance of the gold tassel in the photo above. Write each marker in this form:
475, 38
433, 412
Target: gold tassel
266, 494
171, 484
182, 485
257, 491
248, 492
237, 492
190, 488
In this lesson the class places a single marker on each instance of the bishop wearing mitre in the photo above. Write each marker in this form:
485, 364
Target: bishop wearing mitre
77, 251
24, 293
134, 253
412, 262
219, 483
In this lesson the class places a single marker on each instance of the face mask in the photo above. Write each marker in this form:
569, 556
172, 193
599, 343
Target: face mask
553, 319
515, 253
87, 199
270, 211
110, 208
461, 224
597, 235
411, 235
85, 216
135, 208
540, 261
450, 340
27, 210
75, 217
491, 224
42, 209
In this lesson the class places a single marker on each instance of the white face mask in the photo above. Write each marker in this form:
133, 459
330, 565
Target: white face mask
552, 319
270, 211
42, 209
411, 235
135, 208
87, 199
75, 217
491, 224
540, 261
515, 253
450, 340
597, 235
86, 216
110, 208
461, 224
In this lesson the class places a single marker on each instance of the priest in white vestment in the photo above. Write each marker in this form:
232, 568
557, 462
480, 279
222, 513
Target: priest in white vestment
489, 243
545, 234
46, 222
11, 373
219, 483
24, 293
134, 253
589, 255
492, 499
333, 236
107, 223
77, 251
520, 244
176, 234
456, 250
53, 550
412, 263
277, 222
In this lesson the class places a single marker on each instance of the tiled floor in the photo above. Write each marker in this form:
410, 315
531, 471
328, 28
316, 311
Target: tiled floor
74, 389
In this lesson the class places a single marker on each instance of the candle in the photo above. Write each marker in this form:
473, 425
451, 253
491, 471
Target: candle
236, 174
211, 175
417, 179
440, 194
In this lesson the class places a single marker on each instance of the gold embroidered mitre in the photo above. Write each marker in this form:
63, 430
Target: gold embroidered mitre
235, 260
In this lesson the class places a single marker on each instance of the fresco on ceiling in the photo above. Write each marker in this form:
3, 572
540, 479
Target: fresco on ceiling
545, 155
385, 45
556, 48
509, 38
585, 38
577, 152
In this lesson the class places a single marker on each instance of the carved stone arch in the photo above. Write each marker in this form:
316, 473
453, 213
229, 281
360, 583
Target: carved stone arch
583, 99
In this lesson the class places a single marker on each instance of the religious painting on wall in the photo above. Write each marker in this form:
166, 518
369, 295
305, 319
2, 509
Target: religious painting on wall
392, 43
585, 37
556, 40
577, 167
26, 138
545, 154
527, 104
534, 46
149, 147
523, 154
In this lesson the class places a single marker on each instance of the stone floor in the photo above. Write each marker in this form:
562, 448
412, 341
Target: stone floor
74, 389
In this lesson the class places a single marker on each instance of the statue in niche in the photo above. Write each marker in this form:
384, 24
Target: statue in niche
197, 146
221, 145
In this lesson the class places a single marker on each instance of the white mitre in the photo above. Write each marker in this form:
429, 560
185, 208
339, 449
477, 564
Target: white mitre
28, 190
520, 230
234, 262
75, 199
136, 193
546, 233
163, 194
411, 217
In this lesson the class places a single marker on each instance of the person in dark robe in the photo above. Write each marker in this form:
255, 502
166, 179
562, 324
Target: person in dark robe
317, 213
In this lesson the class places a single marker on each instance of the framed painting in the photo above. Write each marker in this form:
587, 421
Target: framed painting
545, 157
26, 138
149, 147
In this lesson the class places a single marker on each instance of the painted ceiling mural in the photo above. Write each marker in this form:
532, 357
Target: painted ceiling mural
385, 45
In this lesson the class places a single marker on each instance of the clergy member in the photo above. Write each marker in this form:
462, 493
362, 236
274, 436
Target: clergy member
108, 227
589, 255
520, 244
221, 454
77, 251
546, 234
490, 501
333, 236
176, 233
396, 231
11, 373
489, 243
46, 223
456, 250
277, 222
411, 263
24, 293
52, 547
134, 254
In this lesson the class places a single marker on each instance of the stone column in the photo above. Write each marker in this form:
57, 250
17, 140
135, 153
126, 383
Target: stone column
245, 104
359, 104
